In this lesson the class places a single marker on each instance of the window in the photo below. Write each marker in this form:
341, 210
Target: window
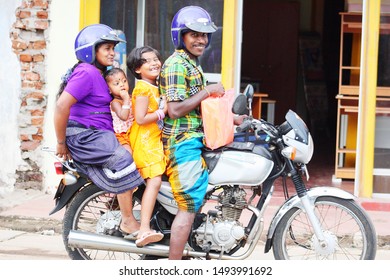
152, 19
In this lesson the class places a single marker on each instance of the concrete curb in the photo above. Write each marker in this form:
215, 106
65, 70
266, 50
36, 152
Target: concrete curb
30, 224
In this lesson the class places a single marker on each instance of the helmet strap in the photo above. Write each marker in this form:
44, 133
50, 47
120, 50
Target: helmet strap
99, 66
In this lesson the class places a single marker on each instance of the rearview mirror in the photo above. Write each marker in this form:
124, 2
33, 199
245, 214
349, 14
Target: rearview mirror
249, 92
243, 102
240, 105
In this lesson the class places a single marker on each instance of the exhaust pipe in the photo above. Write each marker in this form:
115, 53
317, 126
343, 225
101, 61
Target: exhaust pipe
88, 240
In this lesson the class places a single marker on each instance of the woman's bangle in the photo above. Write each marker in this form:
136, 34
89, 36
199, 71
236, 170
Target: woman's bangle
126, 107
207, 91
60, 142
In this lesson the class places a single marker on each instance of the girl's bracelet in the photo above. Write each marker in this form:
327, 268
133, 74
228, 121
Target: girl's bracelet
126, 107
160, 114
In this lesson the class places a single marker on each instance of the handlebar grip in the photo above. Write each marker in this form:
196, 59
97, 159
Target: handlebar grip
244, 126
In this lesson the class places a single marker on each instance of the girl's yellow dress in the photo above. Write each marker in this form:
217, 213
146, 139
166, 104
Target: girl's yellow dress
145, 140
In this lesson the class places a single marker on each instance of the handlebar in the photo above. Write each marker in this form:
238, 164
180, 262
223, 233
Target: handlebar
257, 126
246, 125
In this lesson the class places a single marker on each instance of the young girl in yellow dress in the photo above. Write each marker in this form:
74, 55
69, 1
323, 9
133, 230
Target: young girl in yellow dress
149, 110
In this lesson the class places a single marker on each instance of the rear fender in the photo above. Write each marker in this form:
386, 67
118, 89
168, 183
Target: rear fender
295, 201
65, 193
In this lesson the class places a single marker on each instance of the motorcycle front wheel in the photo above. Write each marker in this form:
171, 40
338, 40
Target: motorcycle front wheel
96, 211
349, 233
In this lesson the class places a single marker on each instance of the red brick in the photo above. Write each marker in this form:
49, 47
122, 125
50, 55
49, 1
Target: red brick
25, 58
35, 94
39, 45
36, 113
20, 45
38, 58
23, 14
42, 14
24, 137
40, 4
37, 121
37, 137
29, 84
31, 76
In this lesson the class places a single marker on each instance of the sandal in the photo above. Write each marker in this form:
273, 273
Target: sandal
149, 237
129, 236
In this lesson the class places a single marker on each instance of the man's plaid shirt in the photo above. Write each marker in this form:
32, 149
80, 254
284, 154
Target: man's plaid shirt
181, 78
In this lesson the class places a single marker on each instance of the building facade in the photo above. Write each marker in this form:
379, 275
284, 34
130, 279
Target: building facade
38, 50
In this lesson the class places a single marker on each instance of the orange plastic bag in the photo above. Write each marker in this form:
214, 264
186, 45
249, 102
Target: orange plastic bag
217, 118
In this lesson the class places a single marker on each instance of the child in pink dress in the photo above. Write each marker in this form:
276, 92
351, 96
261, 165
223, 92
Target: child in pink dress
120, 105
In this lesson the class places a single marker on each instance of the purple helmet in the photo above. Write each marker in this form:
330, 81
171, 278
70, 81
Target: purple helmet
89, 37
191, 18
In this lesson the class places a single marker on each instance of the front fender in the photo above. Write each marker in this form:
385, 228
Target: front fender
295, 201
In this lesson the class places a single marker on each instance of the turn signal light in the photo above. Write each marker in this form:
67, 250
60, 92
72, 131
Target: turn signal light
289, 152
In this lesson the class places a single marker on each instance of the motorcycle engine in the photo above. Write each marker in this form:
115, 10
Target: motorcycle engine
222, 231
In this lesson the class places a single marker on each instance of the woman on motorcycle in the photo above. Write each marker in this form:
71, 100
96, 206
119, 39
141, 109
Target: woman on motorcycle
83, 121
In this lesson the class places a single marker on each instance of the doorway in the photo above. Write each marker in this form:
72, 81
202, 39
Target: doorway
270, 51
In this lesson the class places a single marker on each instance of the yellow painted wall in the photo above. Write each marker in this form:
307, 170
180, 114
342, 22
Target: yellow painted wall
89, 12
228, 43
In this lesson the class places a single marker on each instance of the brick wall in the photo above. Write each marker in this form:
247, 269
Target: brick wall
29, 37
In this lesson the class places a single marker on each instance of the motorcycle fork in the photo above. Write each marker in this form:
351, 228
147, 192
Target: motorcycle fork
307, 204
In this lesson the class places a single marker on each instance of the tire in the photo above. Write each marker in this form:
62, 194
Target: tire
96, 211
348, 230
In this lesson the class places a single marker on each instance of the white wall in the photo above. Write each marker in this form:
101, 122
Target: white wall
64, 27
10, 86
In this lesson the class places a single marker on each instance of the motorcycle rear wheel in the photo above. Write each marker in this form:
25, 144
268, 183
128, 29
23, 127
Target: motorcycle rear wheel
348, 230
96, 211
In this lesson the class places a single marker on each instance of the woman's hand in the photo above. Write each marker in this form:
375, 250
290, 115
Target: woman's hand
63, 152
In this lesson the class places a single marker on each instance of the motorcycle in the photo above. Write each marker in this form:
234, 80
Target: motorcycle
316, 223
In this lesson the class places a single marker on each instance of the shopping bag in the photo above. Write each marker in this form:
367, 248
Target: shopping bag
217, 119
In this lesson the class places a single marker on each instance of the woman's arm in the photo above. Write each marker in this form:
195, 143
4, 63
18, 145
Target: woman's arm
61, 116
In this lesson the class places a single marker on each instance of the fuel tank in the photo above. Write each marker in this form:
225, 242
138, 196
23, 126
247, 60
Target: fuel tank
239, 167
